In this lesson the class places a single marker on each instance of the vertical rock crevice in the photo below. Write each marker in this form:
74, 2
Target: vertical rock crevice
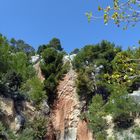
66, 111
65, 115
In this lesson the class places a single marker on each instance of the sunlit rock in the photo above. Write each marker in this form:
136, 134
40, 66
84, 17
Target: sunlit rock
35, 59
136, 95
45, 108
19, 122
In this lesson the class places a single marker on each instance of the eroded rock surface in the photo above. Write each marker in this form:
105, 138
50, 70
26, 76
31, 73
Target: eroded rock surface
38, 71
65, 116
83, 133
7, 106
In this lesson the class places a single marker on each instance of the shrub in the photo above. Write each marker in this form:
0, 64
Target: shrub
39, 126
136, 130
101, 136
26, 134
95, 116
97, 124
123, 120
34, 90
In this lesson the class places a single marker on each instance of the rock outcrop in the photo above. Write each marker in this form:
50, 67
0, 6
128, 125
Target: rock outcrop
38, 71
65, 115
135, 95
15, 118
9, 115
7, 106
83, 132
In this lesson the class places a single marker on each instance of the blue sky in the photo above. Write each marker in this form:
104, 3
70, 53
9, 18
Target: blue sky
38, 21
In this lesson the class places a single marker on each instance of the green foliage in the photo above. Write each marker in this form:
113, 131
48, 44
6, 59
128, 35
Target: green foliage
39, 126
54, 43
13, 79
53, 69
123, 120
75, 51
65, 68
2, 128
34, 90
116, 11
15, 72
93, 53
21, 46
5, 133
4, 54
95, 116
122, 107
101, 136
88, 63
85, 86
105, 75
11, 134
49, 55
41, 48
26, 134
111, 138
15, 67
136, 130
50, 84
17, 79
89, 16
125, 70
20, 64
96, 105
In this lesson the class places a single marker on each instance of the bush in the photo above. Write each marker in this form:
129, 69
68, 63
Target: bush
97, 124
101, 136
120, 105
135, 85
123, 120
34, 90
95, 116
39, 126
26, 134
20, 64
136, 130
64, 70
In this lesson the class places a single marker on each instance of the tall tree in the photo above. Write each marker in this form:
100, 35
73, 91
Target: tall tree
5, 52
20, 45
55, 43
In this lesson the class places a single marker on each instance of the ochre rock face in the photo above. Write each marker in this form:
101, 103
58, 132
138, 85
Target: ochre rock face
65, 115
83, 132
